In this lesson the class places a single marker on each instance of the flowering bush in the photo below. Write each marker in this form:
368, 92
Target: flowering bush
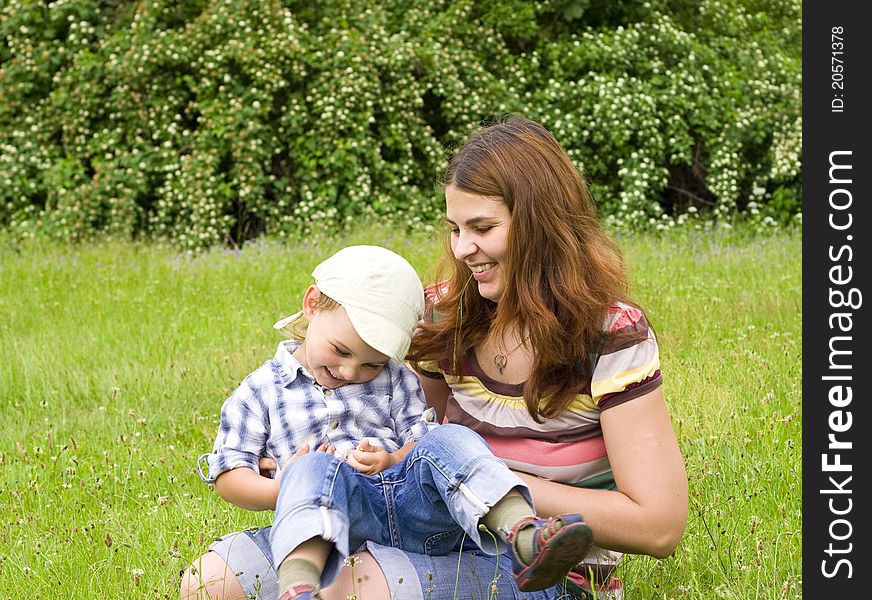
204, 121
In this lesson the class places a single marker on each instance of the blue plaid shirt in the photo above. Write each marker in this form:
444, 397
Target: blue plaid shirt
280, 407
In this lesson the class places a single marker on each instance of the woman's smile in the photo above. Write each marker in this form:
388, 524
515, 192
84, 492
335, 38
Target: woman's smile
483, 272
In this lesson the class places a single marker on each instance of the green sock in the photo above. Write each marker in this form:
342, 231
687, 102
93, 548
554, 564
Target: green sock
297, 571
524, 543
503, 516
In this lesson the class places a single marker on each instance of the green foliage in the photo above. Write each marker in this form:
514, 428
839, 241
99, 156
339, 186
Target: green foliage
208, 121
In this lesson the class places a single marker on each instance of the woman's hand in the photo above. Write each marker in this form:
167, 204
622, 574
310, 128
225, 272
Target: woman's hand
266, 465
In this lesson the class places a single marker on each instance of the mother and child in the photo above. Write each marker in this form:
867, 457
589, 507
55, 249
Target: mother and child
532, 396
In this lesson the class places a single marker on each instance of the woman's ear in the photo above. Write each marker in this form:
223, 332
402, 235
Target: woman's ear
310, 301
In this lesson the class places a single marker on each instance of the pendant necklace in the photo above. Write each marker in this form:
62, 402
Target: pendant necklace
501, 358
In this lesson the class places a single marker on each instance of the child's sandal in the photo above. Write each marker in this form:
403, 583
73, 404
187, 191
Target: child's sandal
559, 543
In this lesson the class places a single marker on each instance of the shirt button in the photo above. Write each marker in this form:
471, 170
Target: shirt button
328, 392
334, 424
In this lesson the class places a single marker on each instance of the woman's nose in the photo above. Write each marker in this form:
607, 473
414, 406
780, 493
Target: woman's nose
463, 247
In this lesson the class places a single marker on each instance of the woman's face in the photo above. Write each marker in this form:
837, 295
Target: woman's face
480, 237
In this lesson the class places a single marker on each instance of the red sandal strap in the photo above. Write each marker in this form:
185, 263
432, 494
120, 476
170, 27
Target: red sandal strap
299, 590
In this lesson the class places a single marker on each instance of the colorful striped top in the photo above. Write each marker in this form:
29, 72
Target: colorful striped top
569, 448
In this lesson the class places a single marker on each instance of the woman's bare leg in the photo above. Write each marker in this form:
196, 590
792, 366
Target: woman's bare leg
365, 580
210, 578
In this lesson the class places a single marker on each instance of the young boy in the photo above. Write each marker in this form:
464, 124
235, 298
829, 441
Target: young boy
327, 389
340, 388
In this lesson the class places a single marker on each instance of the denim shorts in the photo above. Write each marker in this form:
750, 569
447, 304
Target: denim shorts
458, 575
424, 504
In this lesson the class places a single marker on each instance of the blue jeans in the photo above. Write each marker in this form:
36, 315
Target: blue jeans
423, 504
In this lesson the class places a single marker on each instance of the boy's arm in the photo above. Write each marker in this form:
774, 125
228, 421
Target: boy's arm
247, 488
243, 433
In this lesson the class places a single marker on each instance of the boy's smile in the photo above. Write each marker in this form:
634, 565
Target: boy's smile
337, 380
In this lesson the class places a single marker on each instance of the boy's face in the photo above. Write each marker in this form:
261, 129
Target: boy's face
332, 351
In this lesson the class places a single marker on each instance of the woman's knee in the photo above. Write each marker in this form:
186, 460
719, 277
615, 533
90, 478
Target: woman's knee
210, 577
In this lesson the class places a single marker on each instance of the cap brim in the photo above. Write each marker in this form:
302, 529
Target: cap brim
294, 326
379, 333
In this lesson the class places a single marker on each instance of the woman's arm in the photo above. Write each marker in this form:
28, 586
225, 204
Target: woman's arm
436, 392
648, 513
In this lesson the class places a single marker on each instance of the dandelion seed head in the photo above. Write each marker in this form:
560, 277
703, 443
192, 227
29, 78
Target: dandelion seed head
352, 560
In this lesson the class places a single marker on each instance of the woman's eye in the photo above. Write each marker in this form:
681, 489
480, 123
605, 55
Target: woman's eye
482, 229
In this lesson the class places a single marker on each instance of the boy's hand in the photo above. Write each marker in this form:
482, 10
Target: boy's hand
369, 459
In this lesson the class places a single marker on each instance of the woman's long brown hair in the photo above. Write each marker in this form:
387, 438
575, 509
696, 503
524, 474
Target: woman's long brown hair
562, 270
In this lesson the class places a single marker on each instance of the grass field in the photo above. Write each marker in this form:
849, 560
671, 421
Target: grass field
115, 359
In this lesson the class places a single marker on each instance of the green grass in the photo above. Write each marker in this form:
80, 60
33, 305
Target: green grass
115, 359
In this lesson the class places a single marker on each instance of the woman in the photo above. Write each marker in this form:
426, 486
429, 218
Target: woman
534, 344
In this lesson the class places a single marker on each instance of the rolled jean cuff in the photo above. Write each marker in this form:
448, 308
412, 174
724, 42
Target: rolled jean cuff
402, 578
492, 485
247, 556
306, 522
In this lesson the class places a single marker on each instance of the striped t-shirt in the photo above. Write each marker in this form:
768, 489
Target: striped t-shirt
568, 448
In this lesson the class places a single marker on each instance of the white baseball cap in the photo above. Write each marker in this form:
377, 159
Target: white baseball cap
380, 292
